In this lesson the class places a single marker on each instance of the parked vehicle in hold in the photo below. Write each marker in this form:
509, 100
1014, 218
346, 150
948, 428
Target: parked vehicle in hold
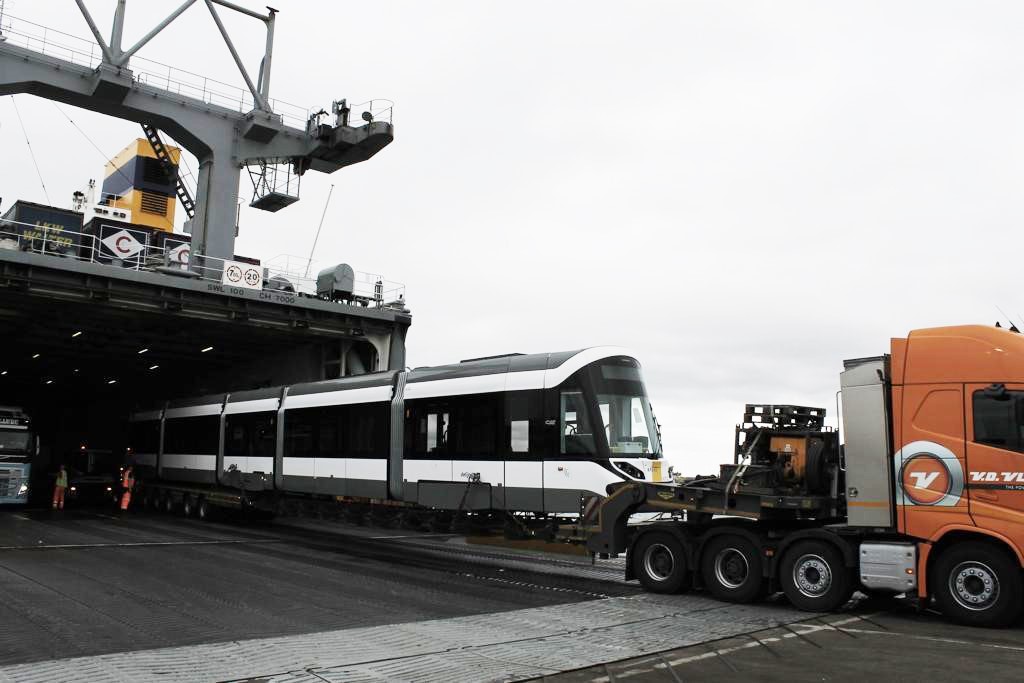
94, 476
923, 494
17, 448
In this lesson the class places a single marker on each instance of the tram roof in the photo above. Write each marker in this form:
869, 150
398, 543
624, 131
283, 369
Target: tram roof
567, 361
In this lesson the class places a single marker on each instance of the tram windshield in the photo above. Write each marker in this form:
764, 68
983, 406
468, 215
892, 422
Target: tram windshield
625, 409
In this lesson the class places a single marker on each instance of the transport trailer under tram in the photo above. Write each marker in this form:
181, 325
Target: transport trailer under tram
516, 433
924, 495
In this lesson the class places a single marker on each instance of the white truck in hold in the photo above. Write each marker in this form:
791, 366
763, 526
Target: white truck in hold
17, 446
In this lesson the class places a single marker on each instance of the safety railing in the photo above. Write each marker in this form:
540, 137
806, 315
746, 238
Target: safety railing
170, 254
85, 52
378, 109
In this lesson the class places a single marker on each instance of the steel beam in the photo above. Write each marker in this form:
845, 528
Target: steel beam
125, 56
107, 56
261, 103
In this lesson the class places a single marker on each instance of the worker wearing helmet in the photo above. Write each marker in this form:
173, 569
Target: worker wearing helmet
127, 484
60, 486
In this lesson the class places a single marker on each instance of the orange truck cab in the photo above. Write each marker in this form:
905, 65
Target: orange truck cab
950, 403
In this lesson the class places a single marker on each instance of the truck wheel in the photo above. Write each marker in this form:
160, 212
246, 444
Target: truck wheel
167, 502
732, 570
814, 576
203, 510
187, 508
659, 561
977, 585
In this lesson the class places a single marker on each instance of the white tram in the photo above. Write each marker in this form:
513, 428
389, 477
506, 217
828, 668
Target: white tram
529, 433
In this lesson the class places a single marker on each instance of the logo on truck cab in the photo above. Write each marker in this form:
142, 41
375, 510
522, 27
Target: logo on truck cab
928, 473
1007, 481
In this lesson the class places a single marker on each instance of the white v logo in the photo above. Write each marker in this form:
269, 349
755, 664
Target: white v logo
924, 479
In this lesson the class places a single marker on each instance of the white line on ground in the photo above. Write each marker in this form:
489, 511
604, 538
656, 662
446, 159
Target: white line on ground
804, 629
140, 544
934, 639
395, 538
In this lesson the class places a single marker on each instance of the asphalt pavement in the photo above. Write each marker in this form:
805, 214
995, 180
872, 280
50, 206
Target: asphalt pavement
89, 595
82, 582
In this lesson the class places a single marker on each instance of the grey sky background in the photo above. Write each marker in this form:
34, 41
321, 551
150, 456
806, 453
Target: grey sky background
745, 193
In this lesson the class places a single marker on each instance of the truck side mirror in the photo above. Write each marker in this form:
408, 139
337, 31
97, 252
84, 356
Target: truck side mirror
997, 392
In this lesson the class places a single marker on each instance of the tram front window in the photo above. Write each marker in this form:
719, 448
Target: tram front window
625, 410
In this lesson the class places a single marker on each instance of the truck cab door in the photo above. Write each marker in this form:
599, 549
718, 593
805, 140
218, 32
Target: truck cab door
995, 455
929, 460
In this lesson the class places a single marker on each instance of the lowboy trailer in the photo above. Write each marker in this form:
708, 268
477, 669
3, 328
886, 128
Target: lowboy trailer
924, 494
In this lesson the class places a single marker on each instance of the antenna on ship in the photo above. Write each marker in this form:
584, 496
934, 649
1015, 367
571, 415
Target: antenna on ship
1013, 325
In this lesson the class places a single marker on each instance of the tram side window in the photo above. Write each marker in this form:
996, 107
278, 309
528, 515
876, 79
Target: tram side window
476, 424
577, 435
328, 433
145, 436
999, 419
192, 435
433, 426
367, 434
299, 434
236, 437
519, 436
524, 422
250, 434
263, 435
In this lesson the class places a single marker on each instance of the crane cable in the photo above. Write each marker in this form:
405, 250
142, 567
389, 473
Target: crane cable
89, 140
30, 152
319, 227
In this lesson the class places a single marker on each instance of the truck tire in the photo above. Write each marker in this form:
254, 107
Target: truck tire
814, 576
187, 507
732, 570
203, 510
659, 561
167, 502
977, 584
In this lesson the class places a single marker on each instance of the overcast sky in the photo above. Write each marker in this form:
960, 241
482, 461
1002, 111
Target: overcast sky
744, 193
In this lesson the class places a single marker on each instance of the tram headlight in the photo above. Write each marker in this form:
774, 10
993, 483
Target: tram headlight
23, 490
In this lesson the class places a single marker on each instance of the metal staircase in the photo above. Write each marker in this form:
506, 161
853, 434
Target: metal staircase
184, 196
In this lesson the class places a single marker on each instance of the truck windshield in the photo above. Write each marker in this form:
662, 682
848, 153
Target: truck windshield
13, 443
625, 409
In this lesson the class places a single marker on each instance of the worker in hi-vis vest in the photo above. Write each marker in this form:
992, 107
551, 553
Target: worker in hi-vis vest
127, 484
59, 487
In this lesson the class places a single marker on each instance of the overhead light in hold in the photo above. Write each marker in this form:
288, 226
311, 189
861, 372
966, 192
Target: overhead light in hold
49, 381
75, 371
153, 367
112, 381
35, 355
76, 334
3, 373
142, 351
208, 348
